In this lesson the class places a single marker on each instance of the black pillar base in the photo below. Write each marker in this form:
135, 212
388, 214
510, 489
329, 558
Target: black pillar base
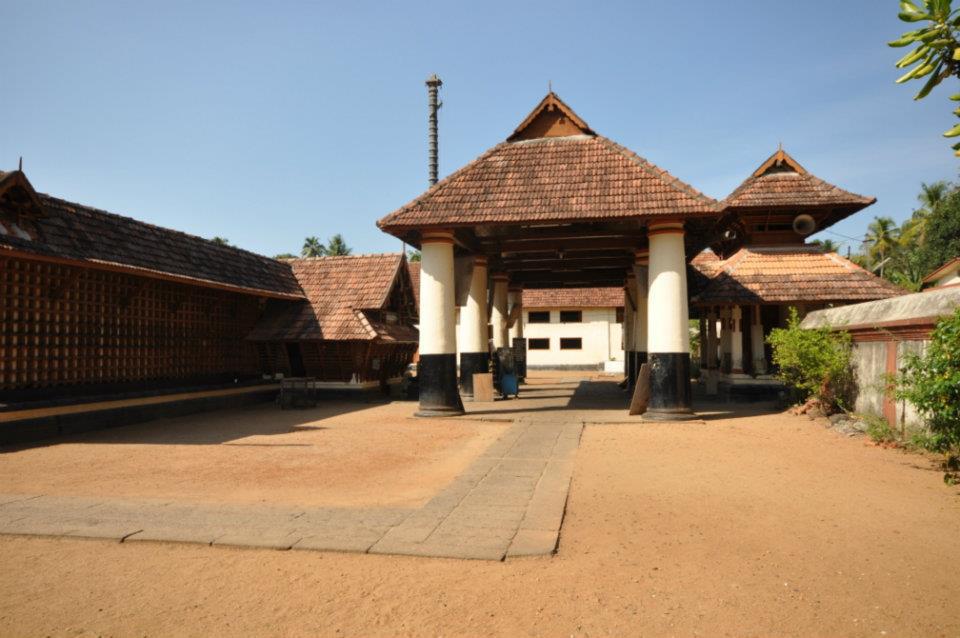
632, 369
470, 364
641, 359
670, 395
437, 379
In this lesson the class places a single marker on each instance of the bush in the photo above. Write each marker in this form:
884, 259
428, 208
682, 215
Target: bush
879, 430
932, 382
816, 362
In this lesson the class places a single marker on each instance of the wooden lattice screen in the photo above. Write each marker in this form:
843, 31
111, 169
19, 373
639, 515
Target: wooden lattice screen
62, 325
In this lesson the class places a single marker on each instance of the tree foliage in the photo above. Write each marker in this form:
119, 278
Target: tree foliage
937, 53
922, 243
313, 247
817, 362
337, 246
413, 255
931, 382
220, 241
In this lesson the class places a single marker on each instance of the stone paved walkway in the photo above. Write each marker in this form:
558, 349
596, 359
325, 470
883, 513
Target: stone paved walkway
509, 502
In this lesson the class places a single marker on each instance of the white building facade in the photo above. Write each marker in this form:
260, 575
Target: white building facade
574, 328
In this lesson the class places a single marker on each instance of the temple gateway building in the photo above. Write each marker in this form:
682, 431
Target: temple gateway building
558, 206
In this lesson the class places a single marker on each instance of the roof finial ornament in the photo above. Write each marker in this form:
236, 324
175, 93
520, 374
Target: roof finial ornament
549, 86
21, 164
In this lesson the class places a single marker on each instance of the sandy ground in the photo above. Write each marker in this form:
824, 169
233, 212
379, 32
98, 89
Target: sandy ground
758, 525
338, 454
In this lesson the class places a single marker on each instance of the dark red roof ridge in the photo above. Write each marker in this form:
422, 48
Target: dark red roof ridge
106, 213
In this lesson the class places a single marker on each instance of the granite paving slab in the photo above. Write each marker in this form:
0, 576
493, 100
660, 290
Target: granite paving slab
509, 502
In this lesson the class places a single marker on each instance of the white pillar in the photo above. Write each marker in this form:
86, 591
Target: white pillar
498, 318
437, 369
474, 341
668, 337
629, 324
517, 342
724, 338
515, 308
712, 373
641, 272
736, 341
756, 342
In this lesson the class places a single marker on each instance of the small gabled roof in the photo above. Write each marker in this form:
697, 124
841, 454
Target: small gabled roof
17, 191
339, 290
781, 182
801, 274
550, 118
547, 173
605, 297
414, 268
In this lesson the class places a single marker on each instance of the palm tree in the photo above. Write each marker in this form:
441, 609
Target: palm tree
826, 245
931, 197
337, 246
313, 247
881, 239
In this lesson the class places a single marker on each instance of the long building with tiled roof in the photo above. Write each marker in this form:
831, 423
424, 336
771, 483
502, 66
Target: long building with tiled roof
69, 233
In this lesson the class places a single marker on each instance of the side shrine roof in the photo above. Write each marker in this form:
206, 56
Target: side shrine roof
72, 233
552, 168
782, 182
340, 291
786, 275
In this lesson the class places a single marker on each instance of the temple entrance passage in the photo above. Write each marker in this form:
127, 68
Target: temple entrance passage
554, 206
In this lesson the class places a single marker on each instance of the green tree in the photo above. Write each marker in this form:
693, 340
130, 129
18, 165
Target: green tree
337, 246
413, 255
937, 53
814, 361
881, 241
220, 241
942, 239
285, 256
313, 247
826, 245
931, 382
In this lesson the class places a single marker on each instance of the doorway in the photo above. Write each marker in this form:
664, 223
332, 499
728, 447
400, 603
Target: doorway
295, 357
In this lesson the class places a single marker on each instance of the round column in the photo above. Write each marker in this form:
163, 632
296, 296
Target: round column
710, 343
641, 271
474, 340
629, 323
668, 337
498, 316
437, 369
736, 342
757, 342
517, 341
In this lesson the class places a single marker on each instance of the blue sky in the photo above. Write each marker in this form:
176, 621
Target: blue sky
268, 122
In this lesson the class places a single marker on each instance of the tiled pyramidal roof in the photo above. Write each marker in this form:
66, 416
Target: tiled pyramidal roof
801, 274
553, 168
781, 182
339, 290
77, 233
573, 298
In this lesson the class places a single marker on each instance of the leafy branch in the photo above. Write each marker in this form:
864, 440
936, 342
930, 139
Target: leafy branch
937, 53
